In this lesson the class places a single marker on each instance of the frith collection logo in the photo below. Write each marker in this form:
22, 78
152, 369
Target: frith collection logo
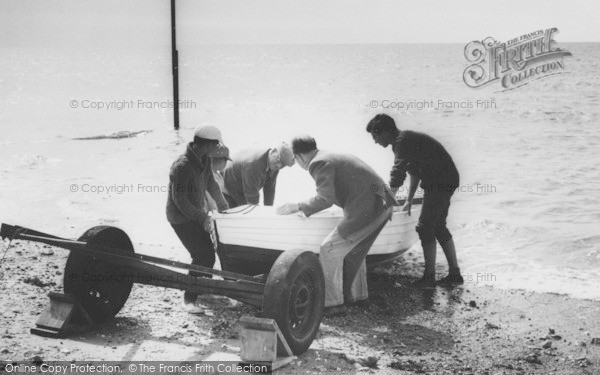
516, 62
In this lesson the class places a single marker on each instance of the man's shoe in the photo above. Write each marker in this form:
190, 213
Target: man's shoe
332, 311
425, 282
452, 279
189, 303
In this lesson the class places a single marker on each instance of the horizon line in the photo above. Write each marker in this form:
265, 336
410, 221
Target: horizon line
265, 44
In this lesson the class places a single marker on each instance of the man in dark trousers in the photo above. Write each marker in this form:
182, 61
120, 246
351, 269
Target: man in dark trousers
425, 160
252, 170
346, 181
190, 180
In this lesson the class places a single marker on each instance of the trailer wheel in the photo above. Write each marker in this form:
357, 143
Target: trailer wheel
295, 297
101, 287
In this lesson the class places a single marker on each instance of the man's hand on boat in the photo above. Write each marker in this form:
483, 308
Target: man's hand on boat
207, 223
288, 209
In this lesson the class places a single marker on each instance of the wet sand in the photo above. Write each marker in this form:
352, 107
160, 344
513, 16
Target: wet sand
465, 330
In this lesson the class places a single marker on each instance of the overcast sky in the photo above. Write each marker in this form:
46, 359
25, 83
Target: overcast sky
135, 22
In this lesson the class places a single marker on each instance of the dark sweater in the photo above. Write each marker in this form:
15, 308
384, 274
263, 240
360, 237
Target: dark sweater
423, 157
189, 181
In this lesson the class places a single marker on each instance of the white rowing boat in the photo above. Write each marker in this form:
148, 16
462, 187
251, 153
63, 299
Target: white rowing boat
252, 237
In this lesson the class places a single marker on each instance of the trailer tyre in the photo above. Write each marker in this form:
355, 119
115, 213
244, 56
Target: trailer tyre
101, 287
295, 297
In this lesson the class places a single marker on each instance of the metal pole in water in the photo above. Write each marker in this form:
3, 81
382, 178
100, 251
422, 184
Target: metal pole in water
175, 64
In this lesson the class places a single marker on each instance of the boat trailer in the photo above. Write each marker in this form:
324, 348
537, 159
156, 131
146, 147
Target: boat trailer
102, 267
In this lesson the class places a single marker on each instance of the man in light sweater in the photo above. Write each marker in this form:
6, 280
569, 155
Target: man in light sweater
253, 170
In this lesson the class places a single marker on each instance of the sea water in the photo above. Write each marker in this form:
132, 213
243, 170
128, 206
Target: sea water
87, 139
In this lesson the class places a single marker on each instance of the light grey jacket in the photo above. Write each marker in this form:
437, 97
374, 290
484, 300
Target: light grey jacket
347, 181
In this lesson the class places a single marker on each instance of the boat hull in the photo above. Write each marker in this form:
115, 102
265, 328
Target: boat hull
250, 238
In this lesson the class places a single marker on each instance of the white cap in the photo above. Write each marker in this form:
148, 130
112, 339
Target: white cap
209, 132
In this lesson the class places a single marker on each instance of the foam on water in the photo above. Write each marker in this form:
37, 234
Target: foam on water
118, 135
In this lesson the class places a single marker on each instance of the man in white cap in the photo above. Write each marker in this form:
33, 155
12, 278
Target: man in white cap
252, 170
190, 179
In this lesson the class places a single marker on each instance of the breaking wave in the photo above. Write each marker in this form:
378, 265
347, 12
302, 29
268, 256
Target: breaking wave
117, 135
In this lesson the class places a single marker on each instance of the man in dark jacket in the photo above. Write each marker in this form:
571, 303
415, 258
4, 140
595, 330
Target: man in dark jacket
425, 160
252, 170
348, 182
190, 179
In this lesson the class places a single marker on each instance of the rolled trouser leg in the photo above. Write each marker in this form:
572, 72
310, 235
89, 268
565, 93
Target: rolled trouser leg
432, 212
443, 235
426, 234
429, 253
